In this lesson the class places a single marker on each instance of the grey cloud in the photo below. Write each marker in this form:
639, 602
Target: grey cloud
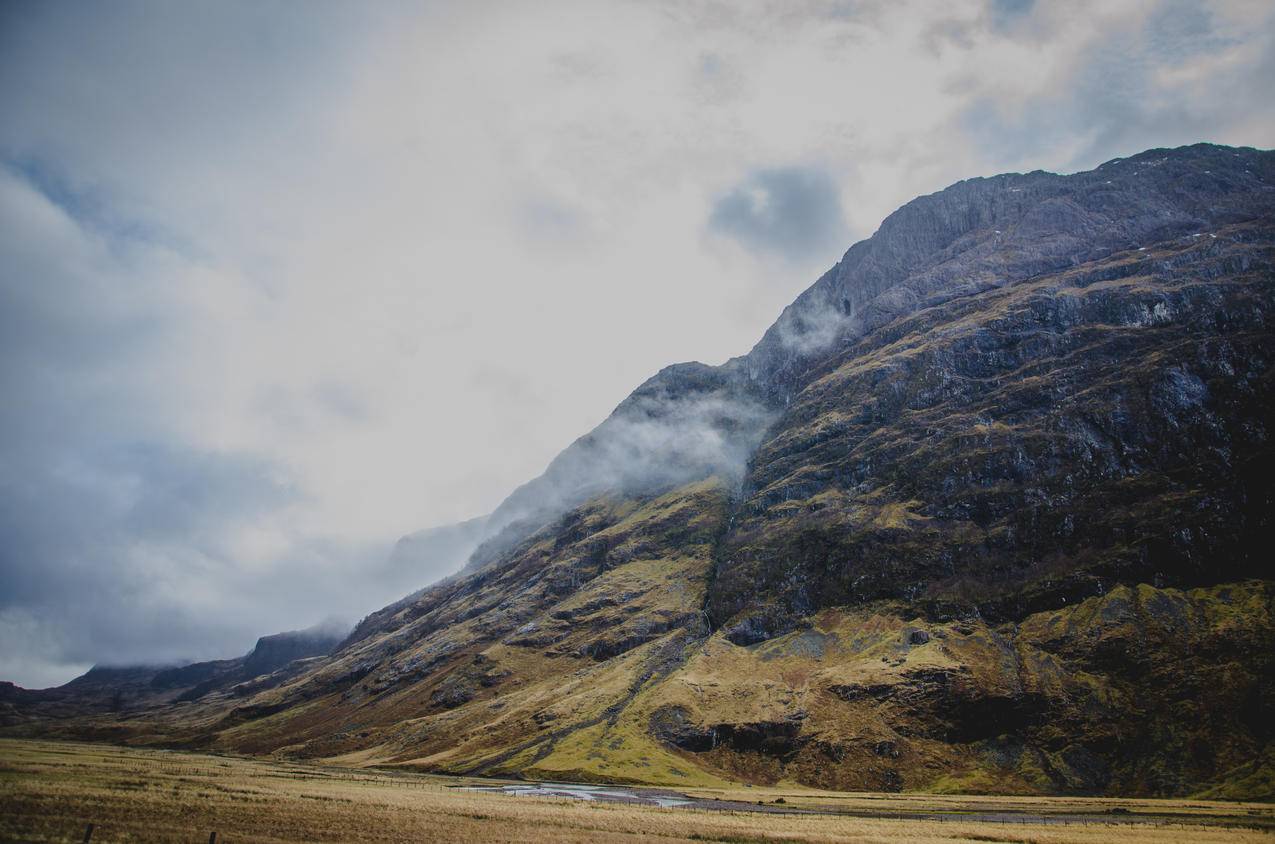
505, 383
1004, 18
130, 556
792, 212
1005, 13
1113, 98
551, 222
123, 547
340, 399
1180, 29
122, 542
581, 65
718, 80
297, 408
121, 110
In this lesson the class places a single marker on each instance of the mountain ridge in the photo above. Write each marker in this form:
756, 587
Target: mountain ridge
978, 512
837, 303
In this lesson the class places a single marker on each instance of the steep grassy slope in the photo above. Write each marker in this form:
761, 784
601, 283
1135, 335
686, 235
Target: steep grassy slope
1139, 690
507, 670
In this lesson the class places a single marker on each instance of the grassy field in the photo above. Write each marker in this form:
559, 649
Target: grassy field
50, 791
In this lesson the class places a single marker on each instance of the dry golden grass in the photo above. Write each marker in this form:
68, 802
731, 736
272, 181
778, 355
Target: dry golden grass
49, 791
885, 803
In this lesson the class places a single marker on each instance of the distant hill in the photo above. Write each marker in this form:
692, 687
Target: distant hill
129, 690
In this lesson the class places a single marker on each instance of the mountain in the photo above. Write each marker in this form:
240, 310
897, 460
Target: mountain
983, 510
133, 689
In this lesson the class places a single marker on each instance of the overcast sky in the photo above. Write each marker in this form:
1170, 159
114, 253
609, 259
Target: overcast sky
282, 281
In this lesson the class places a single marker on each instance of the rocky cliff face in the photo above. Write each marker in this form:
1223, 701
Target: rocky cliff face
1057, 426
983, 510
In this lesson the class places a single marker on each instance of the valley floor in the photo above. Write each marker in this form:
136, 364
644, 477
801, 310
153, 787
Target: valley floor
51, 791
